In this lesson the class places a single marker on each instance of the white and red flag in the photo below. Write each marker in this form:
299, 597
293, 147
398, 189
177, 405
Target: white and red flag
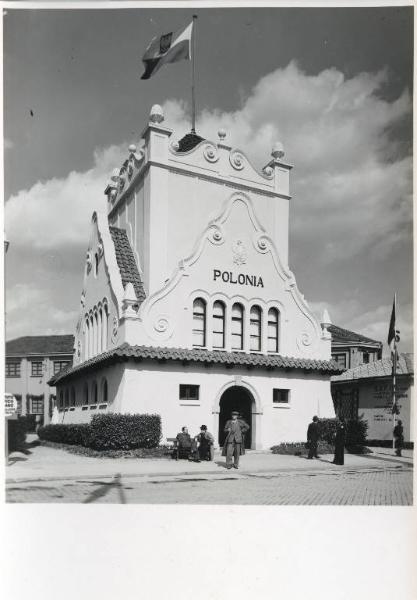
169, 48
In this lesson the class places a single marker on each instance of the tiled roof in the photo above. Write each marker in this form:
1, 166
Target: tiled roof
189, 141
40, 345
126, 262
195, 355
379, 368
341, 336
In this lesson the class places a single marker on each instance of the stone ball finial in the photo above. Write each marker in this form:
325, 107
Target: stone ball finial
132, 148
222, 134
156, 114
278, 150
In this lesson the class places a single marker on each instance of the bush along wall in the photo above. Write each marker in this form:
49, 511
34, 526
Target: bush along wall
112, 431
356, 430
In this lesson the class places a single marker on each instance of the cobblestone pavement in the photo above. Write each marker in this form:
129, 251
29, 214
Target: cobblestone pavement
391, 485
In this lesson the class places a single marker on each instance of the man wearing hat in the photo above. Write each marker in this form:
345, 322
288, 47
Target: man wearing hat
234, 446
205, 444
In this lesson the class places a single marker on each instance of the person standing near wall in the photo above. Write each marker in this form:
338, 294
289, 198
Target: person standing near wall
313, 434
233, 444
339, 450
399, 437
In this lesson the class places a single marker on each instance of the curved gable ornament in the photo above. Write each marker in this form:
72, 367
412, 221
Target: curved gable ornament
214, 234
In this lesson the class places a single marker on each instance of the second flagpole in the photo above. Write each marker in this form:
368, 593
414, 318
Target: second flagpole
193, 74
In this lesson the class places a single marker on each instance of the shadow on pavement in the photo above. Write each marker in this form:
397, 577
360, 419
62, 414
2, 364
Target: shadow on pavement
105, 489
220, 463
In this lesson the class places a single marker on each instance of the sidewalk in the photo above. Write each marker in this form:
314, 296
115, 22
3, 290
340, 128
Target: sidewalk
43, 463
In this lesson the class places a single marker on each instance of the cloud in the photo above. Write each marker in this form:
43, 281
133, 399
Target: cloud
30, 310
371, 323
57, 212
351, 188
335, 130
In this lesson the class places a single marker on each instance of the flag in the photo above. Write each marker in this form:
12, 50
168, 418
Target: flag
391, 331
169, 48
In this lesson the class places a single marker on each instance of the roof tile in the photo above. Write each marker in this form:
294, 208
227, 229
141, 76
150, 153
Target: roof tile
126, 262
200, 355
379, 368
40, 345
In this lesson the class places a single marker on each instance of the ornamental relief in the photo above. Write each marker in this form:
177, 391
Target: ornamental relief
240, 255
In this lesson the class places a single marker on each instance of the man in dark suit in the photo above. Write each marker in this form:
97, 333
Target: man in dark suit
313, 434
235, 430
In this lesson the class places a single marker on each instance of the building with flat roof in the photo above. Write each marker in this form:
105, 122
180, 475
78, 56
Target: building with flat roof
366, 391
189, 308
30, 362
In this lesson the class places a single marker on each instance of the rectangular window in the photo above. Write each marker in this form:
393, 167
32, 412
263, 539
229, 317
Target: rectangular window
13, 369
366, 358
59, 365
37, 405
189, 392
340, 359
280, 396
37, 368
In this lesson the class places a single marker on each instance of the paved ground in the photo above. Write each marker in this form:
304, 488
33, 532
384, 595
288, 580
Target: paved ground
50, 475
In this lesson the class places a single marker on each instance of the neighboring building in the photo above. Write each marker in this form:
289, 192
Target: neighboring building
30, 362
188, 307
366, 391
350, 349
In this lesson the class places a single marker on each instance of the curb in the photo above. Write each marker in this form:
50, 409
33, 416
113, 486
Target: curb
223, 474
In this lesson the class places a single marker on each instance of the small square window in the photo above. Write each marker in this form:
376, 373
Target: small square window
281, 396
189, 392
13, 369
37, 369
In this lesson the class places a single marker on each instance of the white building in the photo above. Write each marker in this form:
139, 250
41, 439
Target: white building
188, 307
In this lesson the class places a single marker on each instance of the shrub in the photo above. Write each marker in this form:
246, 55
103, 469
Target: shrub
327, 429
124, 432
17, 433
110, 431
299, 448
388, 444
70, 433
356, 430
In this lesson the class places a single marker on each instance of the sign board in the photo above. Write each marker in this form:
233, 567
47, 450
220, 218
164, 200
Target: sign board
10, 404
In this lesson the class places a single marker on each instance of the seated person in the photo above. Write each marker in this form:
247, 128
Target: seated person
184, 443
205, 441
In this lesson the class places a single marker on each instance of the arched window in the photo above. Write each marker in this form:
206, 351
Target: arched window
67, 398
219, 312
85, 394
72, 403
91, 338
273, 330
104, 394
255, 327
95, 333
105, 326
199, 322
100, 331
237, 327
94, 393
86, 338
61, 399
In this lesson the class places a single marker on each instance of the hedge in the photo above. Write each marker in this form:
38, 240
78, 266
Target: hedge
388, 444
112, 431
299, 448
72, 433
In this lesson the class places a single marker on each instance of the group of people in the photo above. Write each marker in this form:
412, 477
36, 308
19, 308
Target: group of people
201, 447
313, 436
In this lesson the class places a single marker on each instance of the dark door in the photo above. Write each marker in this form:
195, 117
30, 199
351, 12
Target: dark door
236, 398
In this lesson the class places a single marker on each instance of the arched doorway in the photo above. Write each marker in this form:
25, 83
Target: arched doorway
240, 399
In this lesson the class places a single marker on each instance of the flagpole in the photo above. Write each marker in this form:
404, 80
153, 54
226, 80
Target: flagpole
193, 75
394, 375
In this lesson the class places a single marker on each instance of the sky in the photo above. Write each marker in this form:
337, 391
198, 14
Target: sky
334, 85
